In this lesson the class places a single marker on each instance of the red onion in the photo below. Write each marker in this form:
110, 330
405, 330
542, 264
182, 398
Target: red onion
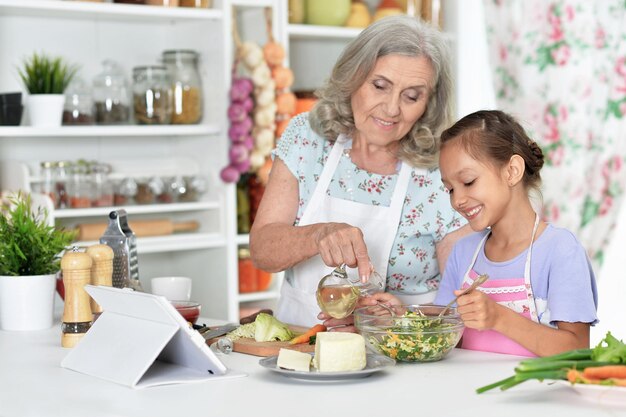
240, 89
245, 84
248, 104
238, 131
229, 174
238, 153
243, 166
242, 138
248, 142
237, 112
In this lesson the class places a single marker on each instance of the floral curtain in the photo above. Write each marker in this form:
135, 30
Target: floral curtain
560, 68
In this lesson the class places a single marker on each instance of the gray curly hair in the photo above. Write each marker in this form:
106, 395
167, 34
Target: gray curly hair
395, 35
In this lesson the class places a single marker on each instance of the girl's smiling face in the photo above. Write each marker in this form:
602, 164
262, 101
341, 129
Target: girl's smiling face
478, 191
392, 98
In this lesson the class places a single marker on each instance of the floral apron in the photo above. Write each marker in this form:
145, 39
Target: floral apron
514, 293
379, 224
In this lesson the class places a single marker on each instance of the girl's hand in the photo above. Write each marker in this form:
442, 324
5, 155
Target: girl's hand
340, 243
379, 298
477, 310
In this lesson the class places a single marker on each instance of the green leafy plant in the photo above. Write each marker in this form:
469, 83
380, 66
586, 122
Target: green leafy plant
46, 75
28, 245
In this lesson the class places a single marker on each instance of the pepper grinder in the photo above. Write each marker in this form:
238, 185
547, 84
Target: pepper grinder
101, 271
77, 315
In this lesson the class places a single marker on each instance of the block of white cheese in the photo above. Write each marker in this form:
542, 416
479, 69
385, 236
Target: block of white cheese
339, 352
294, 360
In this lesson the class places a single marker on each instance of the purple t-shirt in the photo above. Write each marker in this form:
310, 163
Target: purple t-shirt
562, 280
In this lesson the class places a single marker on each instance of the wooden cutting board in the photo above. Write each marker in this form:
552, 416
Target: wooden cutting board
252, 347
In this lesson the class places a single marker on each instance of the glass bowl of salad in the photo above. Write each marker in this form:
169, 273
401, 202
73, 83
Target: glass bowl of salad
410, 333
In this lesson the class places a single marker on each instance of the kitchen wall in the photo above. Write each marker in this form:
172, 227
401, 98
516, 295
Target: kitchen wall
475, 92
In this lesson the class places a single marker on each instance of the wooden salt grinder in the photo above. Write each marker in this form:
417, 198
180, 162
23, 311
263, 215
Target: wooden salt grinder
77, 315
101, 270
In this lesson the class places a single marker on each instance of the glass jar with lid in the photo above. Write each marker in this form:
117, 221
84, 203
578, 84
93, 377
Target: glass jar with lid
102, 193
110, 95
182, 66
125, 192
195, 186
46, 172
61, 174
79, 187
78, 107
152, 100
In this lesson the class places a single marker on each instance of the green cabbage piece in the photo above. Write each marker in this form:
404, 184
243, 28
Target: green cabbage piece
245, 330
268, 329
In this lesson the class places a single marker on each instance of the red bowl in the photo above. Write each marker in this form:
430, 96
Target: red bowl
190, 310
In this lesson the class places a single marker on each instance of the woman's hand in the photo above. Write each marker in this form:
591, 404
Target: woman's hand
477, 310
340, 243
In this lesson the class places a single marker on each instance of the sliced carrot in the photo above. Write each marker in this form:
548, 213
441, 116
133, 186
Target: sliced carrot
304, 338
574, 376
605, 372
577, 377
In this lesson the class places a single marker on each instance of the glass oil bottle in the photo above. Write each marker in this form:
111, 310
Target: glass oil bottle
337, 295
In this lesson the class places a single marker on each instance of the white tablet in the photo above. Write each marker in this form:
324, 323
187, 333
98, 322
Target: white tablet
140, 340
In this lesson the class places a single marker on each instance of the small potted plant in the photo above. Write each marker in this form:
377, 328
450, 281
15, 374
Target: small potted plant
30, 250
46, 78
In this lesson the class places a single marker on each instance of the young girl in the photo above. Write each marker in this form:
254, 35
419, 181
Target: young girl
541, 295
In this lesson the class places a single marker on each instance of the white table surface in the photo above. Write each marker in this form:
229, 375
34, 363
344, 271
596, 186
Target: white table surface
32, 383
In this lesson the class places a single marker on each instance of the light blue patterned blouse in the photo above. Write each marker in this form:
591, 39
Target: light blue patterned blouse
426, 215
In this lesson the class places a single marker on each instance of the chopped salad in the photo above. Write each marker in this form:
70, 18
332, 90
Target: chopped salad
411, 340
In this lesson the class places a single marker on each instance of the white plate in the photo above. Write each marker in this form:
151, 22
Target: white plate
375, 363
602, 394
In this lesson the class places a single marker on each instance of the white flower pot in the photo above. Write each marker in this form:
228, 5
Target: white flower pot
27, 303
45, 110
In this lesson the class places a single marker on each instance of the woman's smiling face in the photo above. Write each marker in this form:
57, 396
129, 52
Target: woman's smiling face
392, 98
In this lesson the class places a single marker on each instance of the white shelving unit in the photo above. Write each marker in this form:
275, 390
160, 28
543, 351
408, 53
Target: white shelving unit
87, 33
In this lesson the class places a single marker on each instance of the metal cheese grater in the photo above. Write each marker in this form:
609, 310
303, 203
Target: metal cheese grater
119, 238
133, 258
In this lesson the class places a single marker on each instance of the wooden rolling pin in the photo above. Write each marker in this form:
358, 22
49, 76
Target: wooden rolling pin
141, 228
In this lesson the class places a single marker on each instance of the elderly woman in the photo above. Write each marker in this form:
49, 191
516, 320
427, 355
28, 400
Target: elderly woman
355, 181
